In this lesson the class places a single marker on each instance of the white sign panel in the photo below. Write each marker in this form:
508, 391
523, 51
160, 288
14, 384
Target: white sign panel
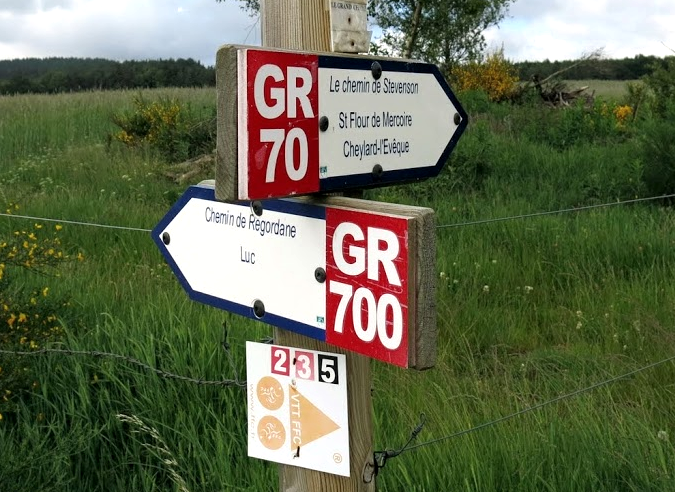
227, 256
297, 407
397, 121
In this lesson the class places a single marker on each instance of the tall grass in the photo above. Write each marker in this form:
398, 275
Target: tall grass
528, 309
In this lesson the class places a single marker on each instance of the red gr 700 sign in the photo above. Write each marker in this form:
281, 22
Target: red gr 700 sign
281, 148
367, 284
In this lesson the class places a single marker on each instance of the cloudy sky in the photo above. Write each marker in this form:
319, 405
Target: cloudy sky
151, 29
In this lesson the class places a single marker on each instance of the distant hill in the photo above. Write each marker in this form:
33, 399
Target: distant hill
608, 69
76, 74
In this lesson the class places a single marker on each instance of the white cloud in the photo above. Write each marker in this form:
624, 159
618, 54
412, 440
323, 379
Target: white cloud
563, 30
121, 29
18, 6
150, 29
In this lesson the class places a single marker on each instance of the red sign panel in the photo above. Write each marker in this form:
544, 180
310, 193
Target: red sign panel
367, 284
281, 146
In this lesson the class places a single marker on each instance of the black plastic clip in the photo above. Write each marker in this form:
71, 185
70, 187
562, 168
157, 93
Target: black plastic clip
380, 457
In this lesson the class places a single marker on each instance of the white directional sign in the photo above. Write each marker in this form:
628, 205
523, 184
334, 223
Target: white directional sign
345, 276
297, 407
262, 267
308, 123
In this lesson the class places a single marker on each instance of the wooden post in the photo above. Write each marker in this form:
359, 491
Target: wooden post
305, 25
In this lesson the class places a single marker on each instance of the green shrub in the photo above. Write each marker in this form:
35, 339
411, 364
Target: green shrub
475, 101
662, 82
658, 153
577, 124
465, 171
637, 97
169, 126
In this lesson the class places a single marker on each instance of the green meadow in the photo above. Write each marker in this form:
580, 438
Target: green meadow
531, 307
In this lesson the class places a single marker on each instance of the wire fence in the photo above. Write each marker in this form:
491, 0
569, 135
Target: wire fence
441, 226
558, 212
380, 457
75, 222
127, 360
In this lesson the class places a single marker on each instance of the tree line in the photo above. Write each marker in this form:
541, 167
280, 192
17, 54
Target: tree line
597, 69
51, 75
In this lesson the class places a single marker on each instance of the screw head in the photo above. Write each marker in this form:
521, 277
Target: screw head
166, 239
257, 207
376, 70
320, 275
457, 119
377, 171
323, 123
258, 308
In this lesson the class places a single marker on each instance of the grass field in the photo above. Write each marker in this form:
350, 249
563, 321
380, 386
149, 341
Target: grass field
611, 89
529, 309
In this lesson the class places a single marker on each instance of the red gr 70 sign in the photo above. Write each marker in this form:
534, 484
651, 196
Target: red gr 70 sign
279, 148
367, 284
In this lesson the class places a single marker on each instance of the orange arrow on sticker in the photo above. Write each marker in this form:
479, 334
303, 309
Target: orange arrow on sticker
308, 423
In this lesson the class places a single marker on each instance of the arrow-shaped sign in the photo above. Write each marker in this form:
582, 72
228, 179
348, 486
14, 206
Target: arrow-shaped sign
357, 279
258, 266
299, 123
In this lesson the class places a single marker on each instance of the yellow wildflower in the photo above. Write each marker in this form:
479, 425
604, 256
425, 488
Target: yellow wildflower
58, 227
622, 113
45, 291
22, 318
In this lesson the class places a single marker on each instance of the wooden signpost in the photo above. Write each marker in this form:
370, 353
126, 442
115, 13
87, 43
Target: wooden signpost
341, 280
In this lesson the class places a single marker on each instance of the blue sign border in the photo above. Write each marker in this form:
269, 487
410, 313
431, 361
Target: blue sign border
207, 192
388, 178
